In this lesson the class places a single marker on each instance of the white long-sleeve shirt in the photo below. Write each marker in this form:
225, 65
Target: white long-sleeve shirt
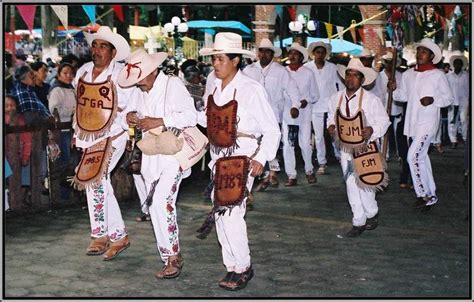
307, 90
168, 99
414, 86
459, 84
327, 82
278, 85
375, 114
65, 100
254, 115
381, 85
123, 95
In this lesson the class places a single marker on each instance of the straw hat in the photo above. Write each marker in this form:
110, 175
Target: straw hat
227, 43
267, 44
457, 55
296, 46
389, 57
355, 64
119, 42
314, 45
426, 42
140, 65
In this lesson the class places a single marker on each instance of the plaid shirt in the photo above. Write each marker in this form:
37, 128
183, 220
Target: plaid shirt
28, 100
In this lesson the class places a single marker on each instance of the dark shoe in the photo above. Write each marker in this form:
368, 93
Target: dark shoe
238, 281
116, 248
372, 223
227, 278
98, 246
291, 182
144, 217
172, 269
421, 202
311, 178
355, 231
454, 145
263, 185
274, 181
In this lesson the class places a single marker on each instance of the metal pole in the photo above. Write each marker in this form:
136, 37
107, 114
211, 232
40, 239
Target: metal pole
12, 29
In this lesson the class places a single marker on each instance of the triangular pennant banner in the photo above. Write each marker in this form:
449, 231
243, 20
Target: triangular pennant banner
119, 12
61, 12
27, 12
353, 34
328, 28
90, 11
339, 31
379, 32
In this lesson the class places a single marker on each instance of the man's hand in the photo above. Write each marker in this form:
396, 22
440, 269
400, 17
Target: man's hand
392, 84
256, 168
303, 103
294, 112
367, 132
332, 130
132, 118
427, 100
148, 123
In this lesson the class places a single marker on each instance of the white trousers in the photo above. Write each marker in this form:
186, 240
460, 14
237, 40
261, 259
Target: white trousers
104, 211
141, 190
232, 235
363, 203
463, 116
420, 165
304, 141
453, 127
318, 127
163, 209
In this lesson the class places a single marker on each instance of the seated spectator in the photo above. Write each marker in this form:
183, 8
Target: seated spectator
17, 153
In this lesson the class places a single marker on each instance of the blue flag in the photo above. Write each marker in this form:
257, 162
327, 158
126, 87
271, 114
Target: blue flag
90, 11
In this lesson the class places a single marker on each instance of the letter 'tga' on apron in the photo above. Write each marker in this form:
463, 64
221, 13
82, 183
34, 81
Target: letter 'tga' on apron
93, 164
230, 180
96, 108
370, 169
222, 125
349, 129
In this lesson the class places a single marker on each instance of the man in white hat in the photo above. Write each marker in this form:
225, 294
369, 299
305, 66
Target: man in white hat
253, 134
459, 82
279, 87
108, 229
159, 100
297, 119
363, 204
426, 90
327, 80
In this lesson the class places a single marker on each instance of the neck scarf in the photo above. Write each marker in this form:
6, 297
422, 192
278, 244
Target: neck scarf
425, 67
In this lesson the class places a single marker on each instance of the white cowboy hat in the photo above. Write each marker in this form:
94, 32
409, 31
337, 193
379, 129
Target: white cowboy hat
227, 43
140, 65
426, 42
457, 55
296, 46
365, 53
119, 42
315, 45
267, 44
369, 74
389, 57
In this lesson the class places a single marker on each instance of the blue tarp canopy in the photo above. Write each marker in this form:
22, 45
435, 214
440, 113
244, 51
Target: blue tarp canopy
205, 24
338, 45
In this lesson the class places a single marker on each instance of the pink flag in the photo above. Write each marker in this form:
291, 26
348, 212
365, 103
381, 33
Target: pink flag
27, 12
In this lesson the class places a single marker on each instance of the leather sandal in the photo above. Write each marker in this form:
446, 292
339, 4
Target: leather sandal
116, 248
263, 185
274, 181
98, 246
291, 182
238, 281
172, 269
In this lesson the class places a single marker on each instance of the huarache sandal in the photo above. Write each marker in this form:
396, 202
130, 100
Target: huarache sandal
144, 217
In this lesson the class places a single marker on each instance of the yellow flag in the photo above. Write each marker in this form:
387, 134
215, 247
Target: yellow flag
328, 28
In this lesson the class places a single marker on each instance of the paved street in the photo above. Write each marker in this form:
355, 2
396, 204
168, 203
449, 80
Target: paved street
297, 239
